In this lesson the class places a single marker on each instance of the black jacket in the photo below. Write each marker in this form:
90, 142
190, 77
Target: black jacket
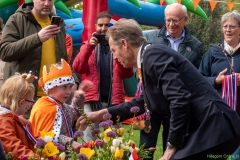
173, 87
191, 47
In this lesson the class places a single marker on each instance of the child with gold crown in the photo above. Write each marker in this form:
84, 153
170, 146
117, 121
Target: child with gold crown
51, 113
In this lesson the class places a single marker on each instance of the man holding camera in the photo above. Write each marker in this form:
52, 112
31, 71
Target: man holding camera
30, 41
97, 63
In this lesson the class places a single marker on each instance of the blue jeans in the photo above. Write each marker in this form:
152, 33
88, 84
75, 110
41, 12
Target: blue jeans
150, 139
236, 154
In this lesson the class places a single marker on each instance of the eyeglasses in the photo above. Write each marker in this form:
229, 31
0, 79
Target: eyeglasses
32, 102
175, 21
230, 27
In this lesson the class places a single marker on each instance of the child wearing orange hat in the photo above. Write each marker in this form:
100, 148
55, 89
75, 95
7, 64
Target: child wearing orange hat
51, 113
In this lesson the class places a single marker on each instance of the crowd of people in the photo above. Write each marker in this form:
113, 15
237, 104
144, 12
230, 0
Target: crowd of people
193, 95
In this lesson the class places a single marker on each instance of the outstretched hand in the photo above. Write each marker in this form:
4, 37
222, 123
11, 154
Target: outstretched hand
168, 154
93, 117
85, 85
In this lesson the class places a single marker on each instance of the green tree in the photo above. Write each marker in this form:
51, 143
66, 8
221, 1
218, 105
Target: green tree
78, 6
208, 32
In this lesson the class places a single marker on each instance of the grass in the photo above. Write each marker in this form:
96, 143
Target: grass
136, 137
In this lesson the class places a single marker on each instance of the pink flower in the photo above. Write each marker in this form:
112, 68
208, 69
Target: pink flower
152, 149
24, 157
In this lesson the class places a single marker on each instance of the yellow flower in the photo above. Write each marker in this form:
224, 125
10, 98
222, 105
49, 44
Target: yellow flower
119, 153
120, 131
43, 134
87, 151
50, 149
106, 138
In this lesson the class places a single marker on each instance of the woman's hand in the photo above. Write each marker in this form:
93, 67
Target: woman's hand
75, 146
220, 77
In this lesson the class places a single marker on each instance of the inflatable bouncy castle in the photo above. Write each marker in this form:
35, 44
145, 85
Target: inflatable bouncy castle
80, 24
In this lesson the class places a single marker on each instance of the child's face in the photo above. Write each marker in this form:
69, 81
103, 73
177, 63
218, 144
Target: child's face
26, 103
61, 93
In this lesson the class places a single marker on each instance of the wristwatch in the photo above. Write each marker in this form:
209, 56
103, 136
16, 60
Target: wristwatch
169, 145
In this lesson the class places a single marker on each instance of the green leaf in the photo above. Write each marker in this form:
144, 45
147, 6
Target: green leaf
153, 1
5, 3
62, 7
135, 2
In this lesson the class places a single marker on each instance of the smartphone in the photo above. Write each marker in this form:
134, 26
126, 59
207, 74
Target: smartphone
56, 20
100, 37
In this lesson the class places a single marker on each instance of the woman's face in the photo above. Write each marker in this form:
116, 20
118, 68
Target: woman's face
231, 31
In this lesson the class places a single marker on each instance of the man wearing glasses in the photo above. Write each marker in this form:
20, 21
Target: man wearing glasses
175, 35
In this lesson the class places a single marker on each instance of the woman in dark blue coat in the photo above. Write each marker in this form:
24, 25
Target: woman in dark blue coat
223, 59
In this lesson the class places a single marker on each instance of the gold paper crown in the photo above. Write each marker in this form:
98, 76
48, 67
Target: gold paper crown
55, 73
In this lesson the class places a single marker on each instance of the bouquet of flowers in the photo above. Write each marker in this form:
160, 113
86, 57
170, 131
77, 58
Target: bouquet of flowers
45, 149
112, 143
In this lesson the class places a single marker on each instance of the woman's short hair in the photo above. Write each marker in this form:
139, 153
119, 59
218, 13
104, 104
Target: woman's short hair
231, 15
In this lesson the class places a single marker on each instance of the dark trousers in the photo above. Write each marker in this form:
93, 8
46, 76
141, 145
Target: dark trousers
219, 152
150, 139
2, 153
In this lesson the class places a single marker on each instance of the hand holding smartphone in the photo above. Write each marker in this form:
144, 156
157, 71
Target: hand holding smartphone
100, 37
56, 20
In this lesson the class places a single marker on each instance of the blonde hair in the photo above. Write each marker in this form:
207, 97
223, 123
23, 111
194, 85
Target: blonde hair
14, 89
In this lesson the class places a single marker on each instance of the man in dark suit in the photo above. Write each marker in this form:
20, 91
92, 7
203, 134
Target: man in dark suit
177, 36
202, 125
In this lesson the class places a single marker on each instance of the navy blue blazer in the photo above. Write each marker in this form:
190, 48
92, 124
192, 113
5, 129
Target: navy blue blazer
173, 87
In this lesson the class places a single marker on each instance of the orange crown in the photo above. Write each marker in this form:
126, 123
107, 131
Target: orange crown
55, 73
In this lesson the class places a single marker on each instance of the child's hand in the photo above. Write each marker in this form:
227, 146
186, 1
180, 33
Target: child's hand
75, 146
85, 85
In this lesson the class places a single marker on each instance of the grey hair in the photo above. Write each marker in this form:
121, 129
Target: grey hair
127, 29
174, 5
231, 15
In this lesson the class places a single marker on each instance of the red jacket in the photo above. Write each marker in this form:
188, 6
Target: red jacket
86, 63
